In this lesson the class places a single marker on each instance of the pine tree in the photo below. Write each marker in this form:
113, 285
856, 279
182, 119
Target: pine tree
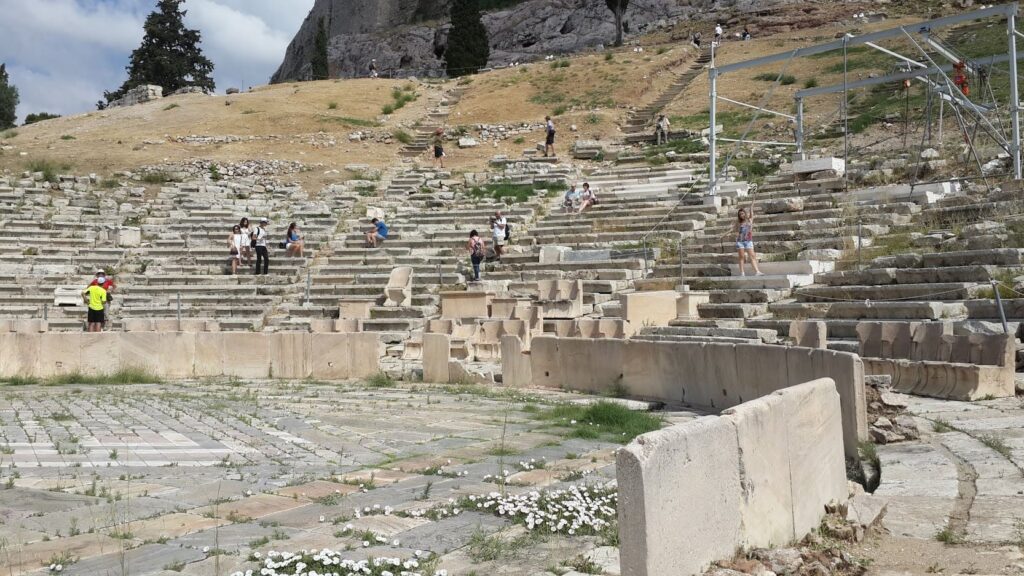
468, 46
618, 8
169, 56
320, 71
8, 100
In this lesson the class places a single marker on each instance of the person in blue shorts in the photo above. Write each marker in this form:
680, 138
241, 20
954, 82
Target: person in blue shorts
743, 231
378, 234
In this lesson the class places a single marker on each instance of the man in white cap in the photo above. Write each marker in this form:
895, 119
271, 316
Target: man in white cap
260, 237
373, 68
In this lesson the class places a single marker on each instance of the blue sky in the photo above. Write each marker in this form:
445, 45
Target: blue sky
62, 54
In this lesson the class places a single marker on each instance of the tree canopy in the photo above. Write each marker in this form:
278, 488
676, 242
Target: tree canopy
8, 100
169, 55
468, 46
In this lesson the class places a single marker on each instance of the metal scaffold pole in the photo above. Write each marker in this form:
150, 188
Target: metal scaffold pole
1011, 28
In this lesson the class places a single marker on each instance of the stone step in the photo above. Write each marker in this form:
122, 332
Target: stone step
751, 281
731, 310
766, 336
939, 291
869, 310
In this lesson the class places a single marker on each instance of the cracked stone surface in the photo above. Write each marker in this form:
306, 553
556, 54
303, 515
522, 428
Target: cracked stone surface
194, 477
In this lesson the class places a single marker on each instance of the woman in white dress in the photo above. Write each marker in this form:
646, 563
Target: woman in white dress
235, 247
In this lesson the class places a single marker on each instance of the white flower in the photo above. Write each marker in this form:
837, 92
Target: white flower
366, 544
322, 518
206, 549
58, 568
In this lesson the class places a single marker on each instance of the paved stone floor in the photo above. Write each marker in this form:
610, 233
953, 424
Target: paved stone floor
965, 473
194, 478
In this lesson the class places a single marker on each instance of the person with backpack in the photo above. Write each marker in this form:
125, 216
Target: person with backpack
477, 251
259, 243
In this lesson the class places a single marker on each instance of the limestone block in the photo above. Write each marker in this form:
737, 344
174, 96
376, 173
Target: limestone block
345, 326
767, 503
290, 355
847, 371
817, 463
553, 254
129, 237
809, 334
137, 324
465, 304
560, 298
31, 326
100, 352
209, 361
515, 364
246, 355
141, 351
366, 352
177, 352
323, 325
70, 296
399, 289
687, 302
59, 353
19, 354
436, 354
355, 309
819, 164
691, 467
331, 356
649, 308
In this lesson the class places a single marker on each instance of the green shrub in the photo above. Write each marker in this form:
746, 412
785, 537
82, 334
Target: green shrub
786, 79
402, 136
602, 419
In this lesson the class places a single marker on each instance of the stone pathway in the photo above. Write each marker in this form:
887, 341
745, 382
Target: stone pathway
965, 474
199, 477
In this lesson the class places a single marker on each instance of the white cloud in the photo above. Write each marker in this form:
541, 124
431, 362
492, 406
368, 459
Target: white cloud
62, 54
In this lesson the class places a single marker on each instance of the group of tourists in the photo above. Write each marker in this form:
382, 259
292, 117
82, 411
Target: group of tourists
578, 200
245, 240
501, 234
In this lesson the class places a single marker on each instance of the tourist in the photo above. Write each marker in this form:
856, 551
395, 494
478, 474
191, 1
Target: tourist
498, 223
373, 68
247, 243
695, 39
235, 243
260, 239
95, 297
571, 198
587, 199
746, 34
549, 139
718, 32
293, 242
661, 129
377, 234
439, 147
743, 231
477, 251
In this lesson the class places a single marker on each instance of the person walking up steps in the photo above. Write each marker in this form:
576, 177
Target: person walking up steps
95, 298
259, 236
477, 251
743, 231
549, 138
439, 147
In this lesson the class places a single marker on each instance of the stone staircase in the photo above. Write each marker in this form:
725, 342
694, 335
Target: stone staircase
641, 119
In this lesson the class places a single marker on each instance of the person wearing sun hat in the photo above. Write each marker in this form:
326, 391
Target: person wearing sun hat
95, 298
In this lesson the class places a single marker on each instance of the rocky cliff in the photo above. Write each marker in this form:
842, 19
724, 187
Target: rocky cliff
410, 35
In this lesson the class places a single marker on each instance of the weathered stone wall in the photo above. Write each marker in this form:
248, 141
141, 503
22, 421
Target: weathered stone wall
699, 373
759, 475
139, 95
191, 354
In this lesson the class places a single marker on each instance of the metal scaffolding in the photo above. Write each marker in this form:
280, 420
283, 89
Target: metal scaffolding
919, 70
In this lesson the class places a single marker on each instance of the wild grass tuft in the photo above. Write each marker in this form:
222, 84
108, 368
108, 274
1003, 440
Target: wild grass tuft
602, 419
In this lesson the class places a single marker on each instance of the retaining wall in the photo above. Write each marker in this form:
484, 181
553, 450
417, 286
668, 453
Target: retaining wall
759, 475
702, 374
192, 354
